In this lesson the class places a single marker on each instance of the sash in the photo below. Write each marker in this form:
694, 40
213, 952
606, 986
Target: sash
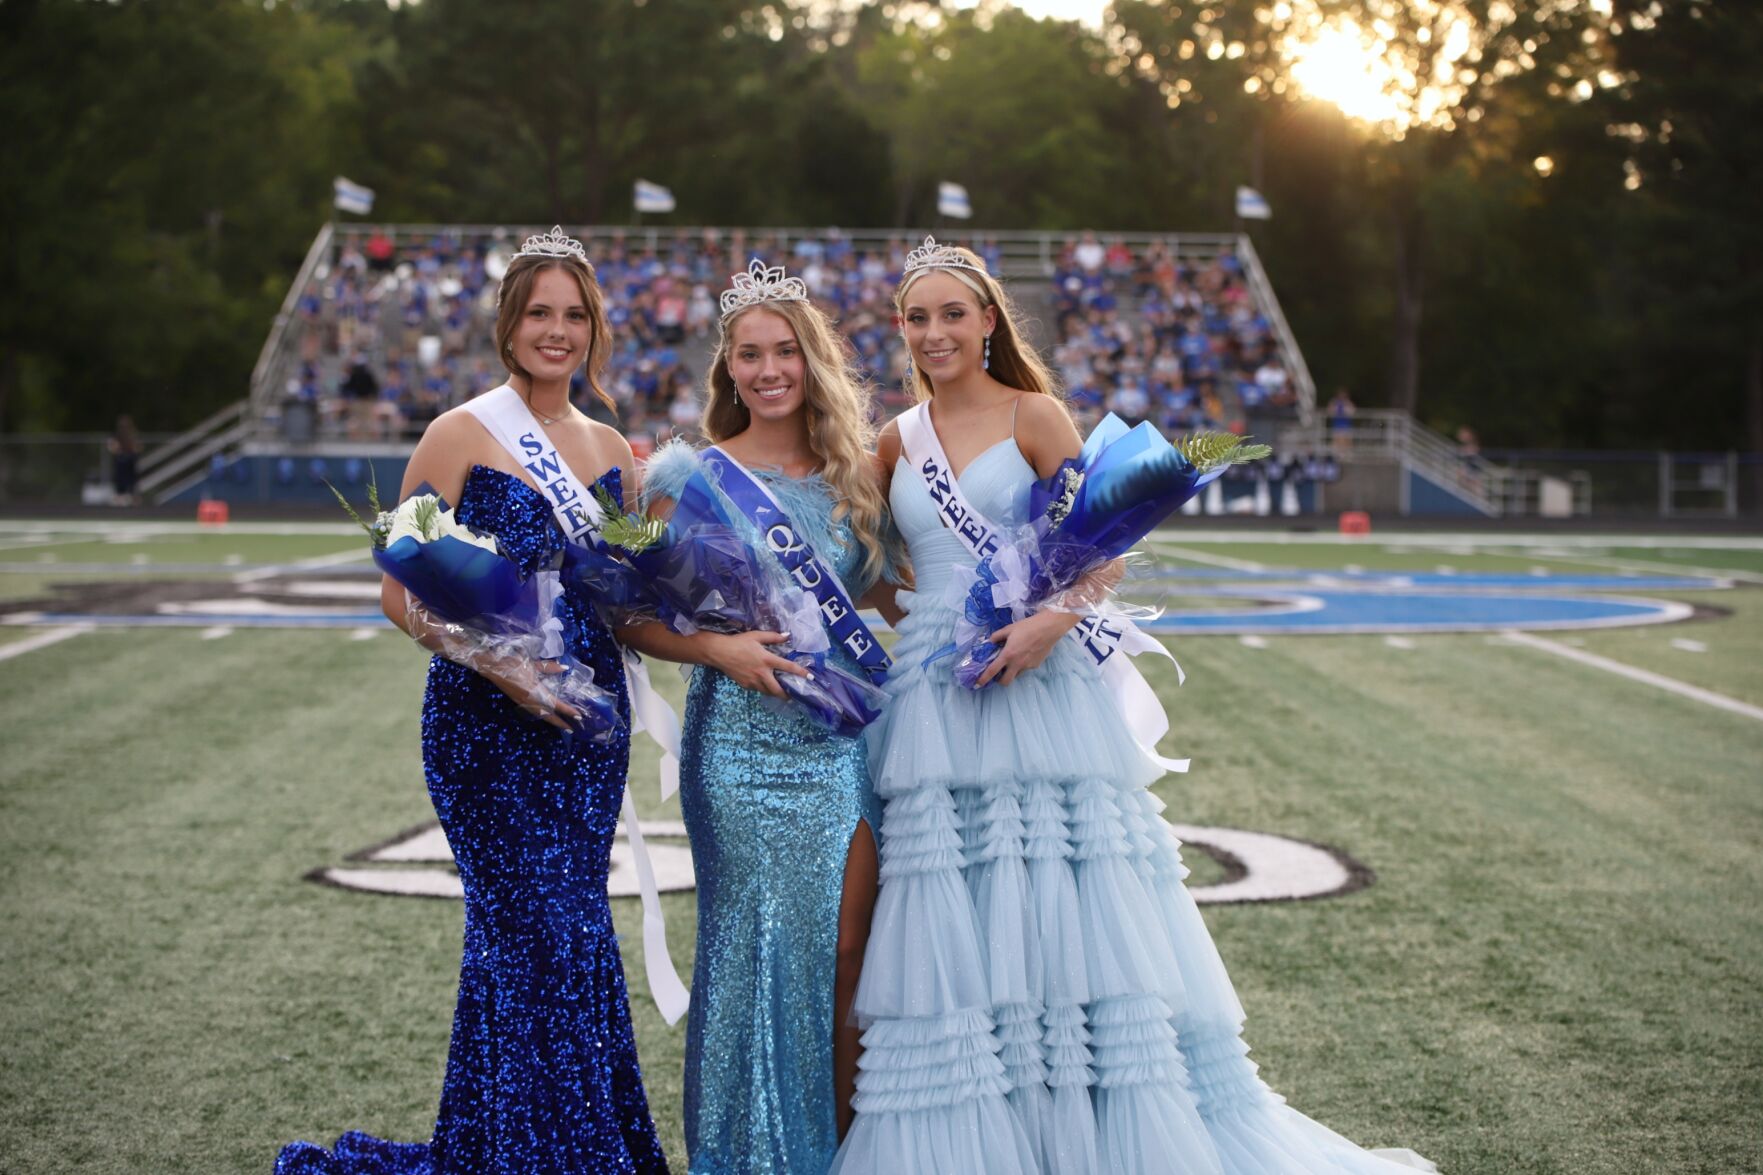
1100, 637
506, 417
837, 613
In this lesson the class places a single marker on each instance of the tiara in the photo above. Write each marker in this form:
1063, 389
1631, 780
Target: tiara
555, 243
761, 284
931, 255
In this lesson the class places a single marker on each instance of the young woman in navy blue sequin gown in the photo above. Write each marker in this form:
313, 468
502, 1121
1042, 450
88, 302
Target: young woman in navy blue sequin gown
542, 1072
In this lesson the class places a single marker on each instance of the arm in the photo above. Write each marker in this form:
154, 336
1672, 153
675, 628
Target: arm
442, 459
883, 595
743, 657
884, 598
1047, 437
887, 455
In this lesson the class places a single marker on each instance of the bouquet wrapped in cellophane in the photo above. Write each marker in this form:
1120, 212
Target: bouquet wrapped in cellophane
699, 572
476, 607
1092, 510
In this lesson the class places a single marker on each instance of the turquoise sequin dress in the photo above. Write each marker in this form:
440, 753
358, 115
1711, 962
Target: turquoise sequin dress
1040, 995
771, 801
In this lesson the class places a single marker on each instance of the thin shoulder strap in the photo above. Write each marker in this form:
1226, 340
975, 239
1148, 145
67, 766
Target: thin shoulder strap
1014, 409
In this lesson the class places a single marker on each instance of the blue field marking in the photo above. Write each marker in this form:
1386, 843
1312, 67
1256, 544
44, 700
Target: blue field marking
207, 620
1429, 580
1324, 611
1271, 602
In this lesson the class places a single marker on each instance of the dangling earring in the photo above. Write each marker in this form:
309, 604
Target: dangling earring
910, 384
986, 360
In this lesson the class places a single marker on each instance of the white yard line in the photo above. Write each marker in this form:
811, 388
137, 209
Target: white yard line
1645, 677
1650, 567
160, 527
354, 555
42, 640
1225, 561
37, 544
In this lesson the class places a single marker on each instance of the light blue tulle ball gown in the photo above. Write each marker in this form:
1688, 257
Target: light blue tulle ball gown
771, 801
1040, 995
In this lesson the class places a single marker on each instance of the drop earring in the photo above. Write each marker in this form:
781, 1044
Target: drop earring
986, 360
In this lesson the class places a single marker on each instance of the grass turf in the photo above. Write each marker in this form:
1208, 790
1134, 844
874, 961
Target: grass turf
1557, 970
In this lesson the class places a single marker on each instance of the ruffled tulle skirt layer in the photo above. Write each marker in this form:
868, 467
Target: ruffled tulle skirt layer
1040, 994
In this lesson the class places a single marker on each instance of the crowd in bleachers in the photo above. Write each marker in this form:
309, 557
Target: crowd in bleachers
1156, 336
395, 331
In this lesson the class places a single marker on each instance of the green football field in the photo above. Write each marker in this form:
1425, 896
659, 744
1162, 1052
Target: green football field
1558, 968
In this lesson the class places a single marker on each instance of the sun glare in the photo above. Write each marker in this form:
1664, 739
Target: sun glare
1409, 67
1340, 64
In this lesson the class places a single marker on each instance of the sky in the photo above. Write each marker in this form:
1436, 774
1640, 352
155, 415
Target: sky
1088, 11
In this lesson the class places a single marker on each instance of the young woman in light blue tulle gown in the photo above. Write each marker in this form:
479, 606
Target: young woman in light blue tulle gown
779, 810
1040, 994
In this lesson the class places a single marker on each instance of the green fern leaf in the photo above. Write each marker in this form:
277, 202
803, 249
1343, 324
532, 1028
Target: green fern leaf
1210, 450
630, 532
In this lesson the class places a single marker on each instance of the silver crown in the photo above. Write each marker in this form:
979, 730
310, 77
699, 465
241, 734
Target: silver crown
931, 255
555, 243
761, 284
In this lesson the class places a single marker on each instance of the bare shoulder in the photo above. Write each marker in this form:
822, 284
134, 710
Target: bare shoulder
1043, 412
887, 441
887, 452
611, 444
452, 443
1045, 432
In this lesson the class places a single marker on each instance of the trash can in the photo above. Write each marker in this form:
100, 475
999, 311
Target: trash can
299, 421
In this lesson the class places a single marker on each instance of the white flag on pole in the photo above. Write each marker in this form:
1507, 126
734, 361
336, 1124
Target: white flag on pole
1252, 205
952, 201
650, 197
350, 196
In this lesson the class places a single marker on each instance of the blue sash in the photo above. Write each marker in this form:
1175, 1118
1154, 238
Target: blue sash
782, 539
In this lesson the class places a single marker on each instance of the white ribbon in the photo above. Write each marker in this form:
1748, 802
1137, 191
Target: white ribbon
801, 622
1103, 638
551, 628
1011, 590
651, 714
505, 416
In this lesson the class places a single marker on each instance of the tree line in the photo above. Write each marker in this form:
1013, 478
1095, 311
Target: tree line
1568, 256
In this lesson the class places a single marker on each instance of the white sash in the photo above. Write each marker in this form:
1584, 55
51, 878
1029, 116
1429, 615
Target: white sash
506, 417
1101, 637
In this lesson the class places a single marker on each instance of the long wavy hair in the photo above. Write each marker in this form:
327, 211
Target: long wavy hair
517, 289
1014, 362
834, 397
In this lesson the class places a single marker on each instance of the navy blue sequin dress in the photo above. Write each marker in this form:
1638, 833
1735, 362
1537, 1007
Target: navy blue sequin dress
542, 1075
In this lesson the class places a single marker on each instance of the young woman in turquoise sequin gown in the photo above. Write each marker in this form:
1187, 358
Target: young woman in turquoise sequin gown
1040, 994
779, 810
542, 1071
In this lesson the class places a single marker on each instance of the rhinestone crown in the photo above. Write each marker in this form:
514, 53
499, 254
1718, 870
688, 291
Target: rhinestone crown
931, 255
761, 284
555, 243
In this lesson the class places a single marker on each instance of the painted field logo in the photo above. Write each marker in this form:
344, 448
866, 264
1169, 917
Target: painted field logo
1258, 866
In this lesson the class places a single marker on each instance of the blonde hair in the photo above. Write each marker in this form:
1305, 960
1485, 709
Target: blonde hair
839, 431
517, 289
1014, 363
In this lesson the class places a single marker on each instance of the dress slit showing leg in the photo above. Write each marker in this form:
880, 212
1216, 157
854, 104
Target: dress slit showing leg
848, 967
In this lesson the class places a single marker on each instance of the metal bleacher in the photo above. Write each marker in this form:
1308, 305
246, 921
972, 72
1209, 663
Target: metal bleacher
259, 424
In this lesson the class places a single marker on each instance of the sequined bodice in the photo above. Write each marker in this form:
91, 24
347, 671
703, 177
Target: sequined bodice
498, 503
